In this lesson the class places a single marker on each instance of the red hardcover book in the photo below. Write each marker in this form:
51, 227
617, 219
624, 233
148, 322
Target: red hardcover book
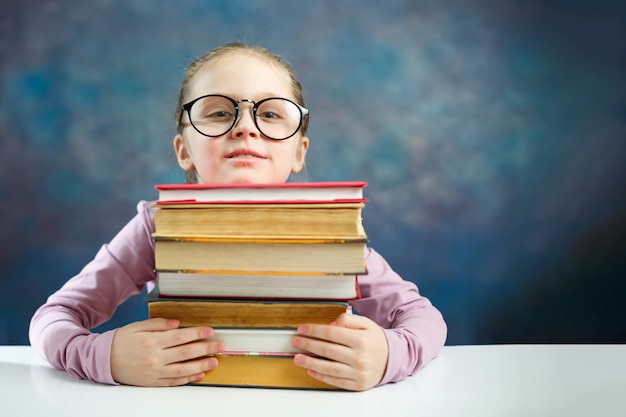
290, 192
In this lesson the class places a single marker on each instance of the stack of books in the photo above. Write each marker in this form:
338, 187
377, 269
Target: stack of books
254, 262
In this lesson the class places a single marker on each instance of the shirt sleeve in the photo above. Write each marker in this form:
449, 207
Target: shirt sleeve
60, 329
415, 329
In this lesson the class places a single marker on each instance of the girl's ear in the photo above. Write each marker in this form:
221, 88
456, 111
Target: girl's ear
298, 161
182, 154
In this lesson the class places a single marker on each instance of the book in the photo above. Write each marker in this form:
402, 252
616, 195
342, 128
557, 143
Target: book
339, 256
299, 192
260, 286
260, 371
247, 341
231, 313
267, 220
255, 261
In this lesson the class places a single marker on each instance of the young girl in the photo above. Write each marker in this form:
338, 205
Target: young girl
397, 332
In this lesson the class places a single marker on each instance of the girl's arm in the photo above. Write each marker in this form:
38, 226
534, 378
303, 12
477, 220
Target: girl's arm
396, 333
59, 329
414, 328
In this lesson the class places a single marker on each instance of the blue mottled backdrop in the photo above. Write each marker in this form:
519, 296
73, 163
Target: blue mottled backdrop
492, 134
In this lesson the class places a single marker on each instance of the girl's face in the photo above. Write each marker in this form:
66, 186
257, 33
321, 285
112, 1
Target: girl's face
242, 155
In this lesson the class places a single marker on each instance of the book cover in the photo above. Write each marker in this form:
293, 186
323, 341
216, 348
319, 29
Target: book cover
260, 371
294, 192
261, 255
250, 314
269, 220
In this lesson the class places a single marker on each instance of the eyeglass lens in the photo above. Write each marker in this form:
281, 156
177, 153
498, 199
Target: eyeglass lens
275, 118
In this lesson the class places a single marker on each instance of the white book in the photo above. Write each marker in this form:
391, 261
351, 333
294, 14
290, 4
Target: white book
244, 341
283, 286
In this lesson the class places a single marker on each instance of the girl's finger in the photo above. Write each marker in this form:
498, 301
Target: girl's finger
323, 348
179, 337
192, 351
332, 333
186, 372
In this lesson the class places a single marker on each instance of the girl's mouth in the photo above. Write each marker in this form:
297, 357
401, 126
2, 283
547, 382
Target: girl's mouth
244, 154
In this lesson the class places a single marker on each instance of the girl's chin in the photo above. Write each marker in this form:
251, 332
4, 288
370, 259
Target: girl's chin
244, 176
250, 177
244, 181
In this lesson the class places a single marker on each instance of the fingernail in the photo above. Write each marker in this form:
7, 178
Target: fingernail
213, 363
172, 323
302, 329
299, 359
295, 342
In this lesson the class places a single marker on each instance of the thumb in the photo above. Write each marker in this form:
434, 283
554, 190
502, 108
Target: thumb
353, 321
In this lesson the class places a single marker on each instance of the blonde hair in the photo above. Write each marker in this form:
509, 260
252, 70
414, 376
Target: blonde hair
221, 51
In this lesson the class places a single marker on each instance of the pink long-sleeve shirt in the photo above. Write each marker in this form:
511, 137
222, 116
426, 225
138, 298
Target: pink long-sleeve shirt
59, 329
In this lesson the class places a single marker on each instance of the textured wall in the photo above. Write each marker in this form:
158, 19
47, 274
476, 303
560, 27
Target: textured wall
492, 134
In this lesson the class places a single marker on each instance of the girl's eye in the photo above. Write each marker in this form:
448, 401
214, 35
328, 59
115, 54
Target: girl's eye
218, 114
269, 115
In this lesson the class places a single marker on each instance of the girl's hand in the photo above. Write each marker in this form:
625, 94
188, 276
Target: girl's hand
156, 352
353, 348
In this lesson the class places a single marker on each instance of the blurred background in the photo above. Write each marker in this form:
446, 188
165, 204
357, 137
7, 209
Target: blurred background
492, 135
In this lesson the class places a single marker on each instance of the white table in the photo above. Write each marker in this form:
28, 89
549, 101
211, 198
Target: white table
506, 380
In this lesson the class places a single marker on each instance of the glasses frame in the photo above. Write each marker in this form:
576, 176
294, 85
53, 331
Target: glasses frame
304, 113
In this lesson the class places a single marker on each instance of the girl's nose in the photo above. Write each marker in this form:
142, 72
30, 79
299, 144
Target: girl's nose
245, 126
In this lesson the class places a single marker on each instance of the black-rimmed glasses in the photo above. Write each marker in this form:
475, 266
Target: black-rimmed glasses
214, 115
